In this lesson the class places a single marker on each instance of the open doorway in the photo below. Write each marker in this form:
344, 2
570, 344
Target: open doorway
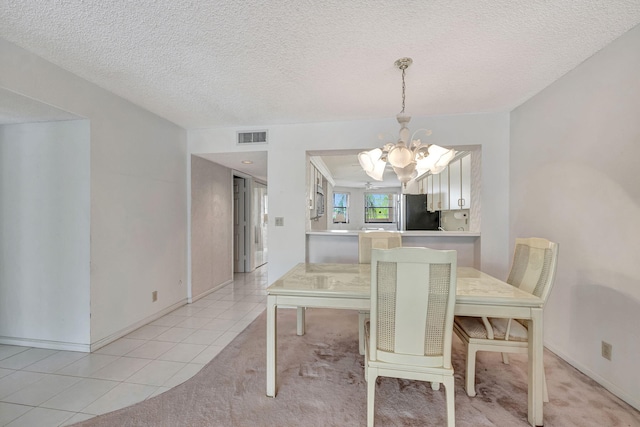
260, 219
228, 217
241, 255
249, 223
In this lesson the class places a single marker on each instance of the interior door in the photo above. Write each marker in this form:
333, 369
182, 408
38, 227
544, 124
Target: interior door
239, 225
260, 223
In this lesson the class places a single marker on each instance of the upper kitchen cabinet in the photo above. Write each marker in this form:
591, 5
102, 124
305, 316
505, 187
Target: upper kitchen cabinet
316, 193
437, 189
460, 183
427, 188
443, 189
320, 185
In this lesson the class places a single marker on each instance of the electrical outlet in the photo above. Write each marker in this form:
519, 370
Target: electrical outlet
607, 349
154, 296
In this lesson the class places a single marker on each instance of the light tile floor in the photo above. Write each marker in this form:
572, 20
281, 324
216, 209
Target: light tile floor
44, 388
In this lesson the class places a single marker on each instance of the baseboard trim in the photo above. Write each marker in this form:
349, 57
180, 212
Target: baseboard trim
631, 400
51, 345
210, 291
122, 332
87, 348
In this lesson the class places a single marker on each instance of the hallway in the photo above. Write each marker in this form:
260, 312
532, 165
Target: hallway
58, 388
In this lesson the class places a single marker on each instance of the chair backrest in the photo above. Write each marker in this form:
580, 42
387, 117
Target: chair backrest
534, 266
368, 240
413, 295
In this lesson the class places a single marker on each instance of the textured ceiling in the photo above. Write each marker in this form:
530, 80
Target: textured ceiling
257, 168
205, 63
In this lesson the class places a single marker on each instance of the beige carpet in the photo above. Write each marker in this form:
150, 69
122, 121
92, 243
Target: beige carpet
320, 383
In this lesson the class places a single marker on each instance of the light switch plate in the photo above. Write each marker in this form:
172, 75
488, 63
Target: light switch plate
279, 221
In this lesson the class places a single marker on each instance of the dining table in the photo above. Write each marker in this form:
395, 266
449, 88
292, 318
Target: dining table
347, 286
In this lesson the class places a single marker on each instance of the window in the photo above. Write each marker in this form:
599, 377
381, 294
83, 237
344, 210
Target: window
340, 208
379, 207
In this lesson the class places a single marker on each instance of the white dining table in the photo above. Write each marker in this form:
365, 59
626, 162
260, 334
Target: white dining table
347, 286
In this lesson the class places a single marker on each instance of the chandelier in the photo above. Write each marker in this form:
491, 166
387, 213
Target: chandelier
409, 157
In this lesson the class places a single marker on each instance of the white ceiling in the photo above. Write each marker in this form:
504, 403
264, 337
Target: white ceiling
253, 63
257, 168
256, 63
346, 171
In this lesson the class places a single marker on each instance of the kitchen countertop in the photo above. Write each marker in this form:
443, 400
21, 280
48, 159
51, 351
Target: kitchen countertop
425, 233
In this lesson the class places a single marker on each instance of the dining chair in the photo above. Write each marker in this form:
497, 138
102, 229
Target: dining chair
532, 270
368, 240
413, 295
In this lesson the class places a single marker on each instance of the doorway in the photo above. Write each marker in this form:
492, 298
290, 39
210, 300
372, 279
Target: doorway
240, 210
250, 219
260, 221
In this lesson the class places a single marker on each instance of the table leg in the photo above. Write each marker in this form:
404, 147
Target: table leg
301, 320
536, 367
272, 334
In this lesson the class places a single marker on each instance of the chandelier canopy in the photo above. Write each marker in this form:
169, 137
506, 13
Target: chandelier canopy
409, 157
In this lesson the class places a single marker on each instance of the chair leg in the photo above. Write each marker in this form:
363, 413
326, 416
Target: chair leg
505, 358
470, 374
371, 397
366, 356
545, 391
449, 388
362, 318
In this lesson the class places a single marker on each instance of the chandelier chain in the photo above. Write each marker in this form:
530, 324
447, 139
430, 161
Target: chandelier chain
403, 87
403, 64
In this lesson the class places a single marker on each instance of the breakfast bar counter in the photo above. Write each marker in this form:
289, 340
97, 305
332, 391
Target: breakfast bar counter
341, 246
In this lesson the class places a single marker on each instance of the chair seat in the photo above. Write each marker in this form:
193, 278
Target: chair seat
474, 328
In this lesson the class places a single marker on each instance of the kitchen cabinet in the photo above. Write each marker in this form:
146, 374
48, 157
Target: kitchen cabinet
465, 164
316, 197
311, 181
460, 183
431, 206
437, 189
422, 186
443, 189
451, 188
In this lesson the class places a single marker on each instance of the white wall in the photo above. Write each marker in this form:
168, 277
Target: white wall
211, 226
574, 179
287, 172
44, 234
138, 170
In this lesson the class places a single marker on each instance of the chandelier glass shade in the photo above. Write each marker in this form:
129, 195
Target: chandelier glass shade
408, 157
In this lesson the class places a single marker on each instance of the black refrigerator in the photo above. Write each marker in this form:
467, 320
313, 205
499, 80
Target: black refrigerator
416, 215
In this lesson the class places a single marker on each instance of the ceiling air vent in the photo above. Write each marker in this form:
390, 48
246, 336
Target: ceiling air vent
259, 137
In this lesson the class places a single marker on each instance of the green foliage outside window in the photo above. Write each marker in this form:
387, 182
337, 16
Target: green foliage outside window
379, 207
341, 208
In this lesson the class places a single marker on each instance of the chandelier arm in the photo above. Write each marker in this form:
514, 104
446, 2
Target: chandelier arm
424, 149
427, 131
